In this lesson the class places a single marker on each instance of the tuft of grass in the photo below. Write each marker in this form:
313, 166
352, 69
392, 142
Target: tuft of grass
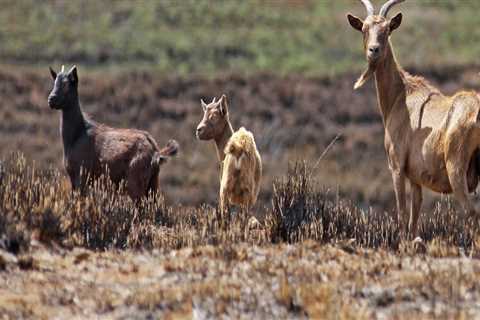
302, 210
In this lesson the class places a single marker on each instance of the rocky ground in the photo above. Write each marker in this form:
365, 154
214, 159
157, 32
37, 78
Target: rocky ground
305, 280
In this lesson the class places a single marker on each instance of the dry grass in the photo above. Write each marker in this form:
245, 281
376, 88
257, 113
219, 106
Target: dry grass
39, 204
315, 255
305, 280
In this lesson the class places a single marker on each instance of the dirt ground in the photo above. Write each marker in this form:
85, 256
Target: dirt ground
304, 280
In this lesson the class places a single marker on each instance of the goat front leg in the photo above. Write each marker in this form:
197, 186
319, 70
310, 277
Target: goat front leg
415, 206
399, 187
74, 179
223, 200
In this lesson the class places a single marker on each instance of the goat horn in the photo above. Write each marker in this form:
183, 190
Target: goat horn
213, 101
387, 6
368, 5
63, 68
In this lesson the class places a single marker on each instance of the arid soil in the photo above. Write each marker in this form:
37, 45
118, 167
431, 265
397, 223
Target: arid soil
304, 280
293, 118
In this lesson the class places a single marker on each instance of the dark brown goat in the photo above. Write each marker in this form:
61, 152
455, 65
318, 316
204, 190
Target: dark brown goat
92, 149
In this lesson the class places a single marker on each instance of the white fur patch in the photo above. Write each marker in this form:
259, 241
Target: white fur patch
238, 161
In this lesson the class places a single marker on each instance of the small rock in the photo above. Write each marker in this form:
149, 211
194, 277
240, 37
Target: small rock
253, 223
419, 245
27, 263
7, 257
82, 256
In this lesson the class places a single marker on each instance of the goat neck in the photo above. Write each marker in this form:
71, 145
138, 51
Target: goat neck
389, 82
222, 139
73, 124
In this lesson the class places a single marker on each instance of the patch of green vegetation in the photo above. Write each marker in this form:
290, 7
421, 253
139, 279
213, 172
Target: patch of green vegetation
284, 36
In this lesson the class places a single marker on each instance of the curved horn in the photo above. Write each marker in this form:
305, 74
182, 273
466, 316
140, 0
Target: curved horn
387, 6
368, 5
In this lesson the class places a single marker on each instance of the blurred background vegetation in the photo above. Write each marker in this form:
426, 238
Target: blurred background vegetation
282, 36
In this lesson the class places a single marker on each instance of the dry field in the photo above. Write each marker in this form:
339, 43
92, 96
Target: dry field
66, 256
326, 246
302, 280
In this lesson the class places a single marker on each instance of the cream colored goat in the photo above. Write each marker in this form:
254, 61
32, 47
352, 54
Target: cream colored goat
241, 163
242, 171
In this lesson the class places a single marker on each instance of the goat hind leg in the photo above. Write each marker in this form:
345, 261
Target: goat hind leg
416, 204
138, 176
458, 182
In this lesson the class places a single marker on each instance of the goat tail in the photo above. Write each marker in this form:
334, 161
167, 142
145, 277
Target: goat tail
170, 149
160, 157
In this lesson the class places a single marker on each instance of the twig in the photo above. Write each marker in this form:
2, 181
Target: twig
324, 153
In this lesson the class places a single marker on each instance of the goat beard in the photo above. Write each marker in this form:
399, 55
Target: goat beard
367, 74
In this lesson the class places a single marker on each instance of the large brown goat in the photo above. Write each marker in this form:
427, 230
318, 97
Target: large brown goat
92, 149
431, 139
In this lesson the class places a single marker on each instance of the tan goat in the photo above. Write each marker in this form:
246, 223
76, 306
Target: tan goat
241, 163
431, 139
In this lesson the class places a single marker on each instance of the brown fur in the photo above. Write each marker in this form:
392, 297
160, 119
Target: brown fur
128, 154
430, 139
242, 171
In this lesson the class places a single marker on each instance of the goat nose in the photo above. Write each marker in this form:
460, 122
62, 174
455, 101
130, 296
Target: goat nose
374, 49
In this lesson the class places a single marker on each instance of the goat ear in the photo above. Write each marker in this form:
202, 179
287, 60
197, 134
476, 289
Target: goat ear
223, 105
355, 22
53, 73
395, 22
204, 105
73, 74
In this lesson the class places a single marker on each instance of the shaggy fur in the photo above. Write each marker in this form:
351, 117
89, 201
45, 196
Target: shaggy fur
430, 139
92, 149
242, 171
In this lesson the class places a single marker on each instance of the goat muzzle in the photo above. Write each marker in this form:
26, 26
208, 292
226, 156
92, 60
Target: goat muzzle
53, 102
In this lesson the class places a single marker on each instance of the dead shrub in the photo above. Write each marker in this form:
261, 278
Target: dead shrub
37, 204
